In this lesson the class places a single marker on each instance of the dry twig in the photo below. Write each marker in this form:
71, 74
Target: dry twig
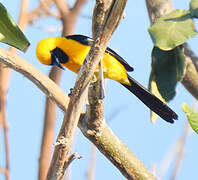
92, 164
181, 151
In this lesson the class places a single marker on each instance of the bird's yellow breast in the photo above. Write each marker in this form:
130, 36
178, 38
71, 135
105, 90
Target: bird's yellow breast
76, 53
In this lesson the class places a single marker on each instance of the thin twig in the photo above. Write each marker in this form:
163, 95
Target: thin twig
4, 85
176, 153
92, 164
37, 13
181, 151
45, 6
6, 143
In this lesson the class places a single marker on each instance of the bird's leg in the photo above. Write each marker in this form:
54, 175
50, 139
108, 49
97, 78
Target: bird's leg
70, 92
98, 76
101, 82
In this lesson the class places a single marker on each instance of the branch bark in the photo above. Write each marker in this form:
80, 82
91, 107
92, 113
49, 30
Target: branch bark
117, 152
68, 18
94, 127
66, 134
61, 99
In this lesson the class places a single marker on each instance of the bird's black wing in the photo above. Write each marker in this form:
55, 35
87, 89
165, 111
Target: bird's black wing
119, 58
88, 41
81, 39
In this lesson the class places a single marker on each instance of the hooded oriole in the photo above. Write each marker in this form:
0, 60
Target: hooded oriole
70, 51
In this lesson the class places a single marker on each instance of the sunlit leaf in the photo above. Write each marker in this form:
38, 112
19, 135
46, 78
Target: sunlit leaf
192, 117
172, 30
10, 32
154, 90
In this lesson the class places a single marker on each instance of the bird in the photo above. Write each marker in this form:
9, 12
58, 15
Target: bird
70, 52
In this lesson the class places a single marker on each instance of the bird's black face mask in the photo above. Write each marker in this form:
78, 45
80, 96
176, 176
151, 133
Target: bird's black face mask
58, 56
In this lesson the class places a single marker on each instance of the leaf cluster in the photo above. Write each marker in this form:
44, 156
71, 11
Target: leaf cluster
169, 33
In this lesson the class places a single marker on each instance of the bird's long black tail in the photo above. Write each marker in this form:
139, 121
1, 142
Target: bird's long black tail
151, 101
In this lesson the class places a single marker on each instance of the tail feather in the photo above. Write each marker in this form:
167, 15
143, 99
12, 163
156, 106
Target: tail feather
151, 101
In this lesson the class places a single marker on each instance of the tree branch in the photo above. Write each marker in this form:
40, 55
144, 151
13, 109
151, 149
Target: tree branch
61, 99
66, 134
181, 147
117, 152
62, 7
38, 78
92, 163
46, 7
68, 21
37, 12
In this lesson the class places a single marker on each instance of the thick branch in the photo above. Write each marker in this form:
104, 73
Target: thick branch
118, 153
66, 16
61, 99
96, 130
190, 80
66, 134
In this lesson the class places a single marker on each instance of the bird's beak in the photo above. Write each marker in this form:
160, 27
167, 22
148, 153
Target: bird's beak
55, 61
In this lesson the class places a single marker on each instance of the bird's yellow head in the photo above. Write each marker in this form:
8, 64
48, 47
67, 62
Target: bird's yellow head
49, 53
43, 50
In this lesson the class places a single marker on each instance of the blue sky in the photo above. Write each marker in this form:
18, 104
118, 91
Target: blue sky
25, 107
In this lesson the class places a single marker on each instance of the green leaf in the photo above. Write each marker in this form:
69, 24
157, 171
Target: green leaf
194, 8
10, 32
168, 68
172, 30
154, 90
192, 117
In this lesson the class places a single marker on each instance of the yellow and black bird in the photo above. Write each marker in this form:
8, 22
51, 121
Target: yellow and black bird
70, 51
